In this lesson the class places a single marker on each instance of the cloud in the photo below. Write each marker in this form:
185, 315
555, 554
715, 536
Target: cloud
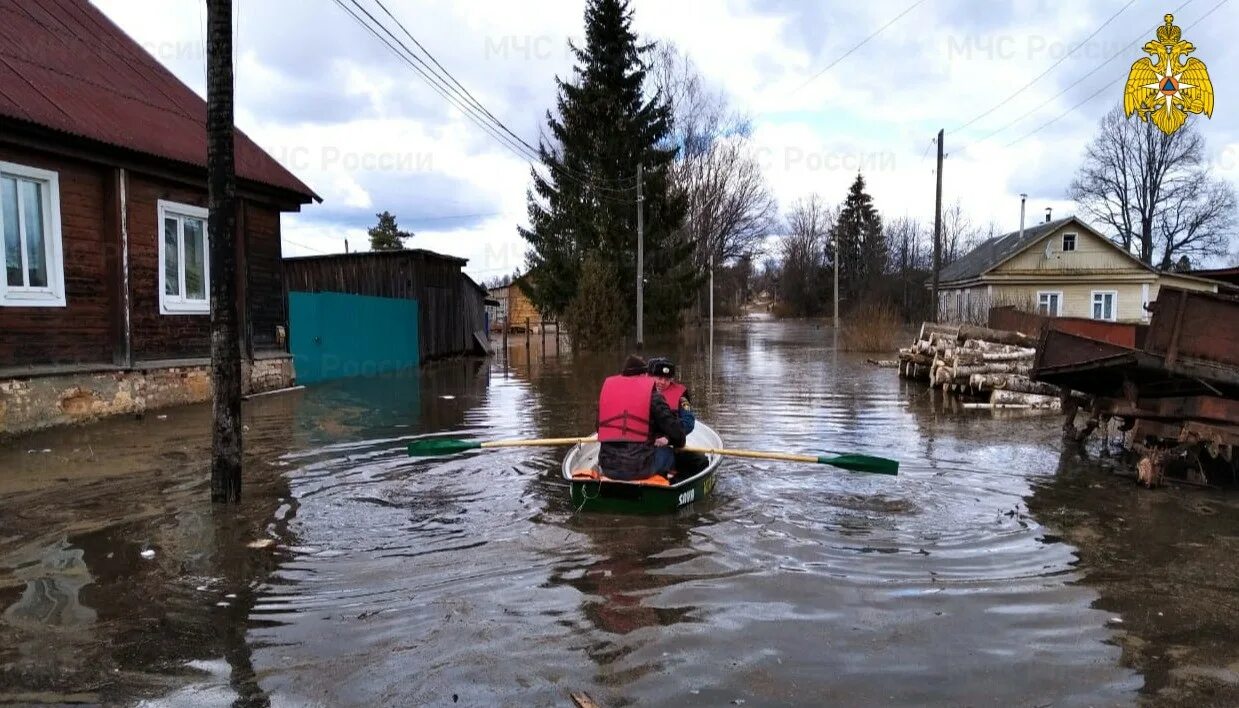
357, 124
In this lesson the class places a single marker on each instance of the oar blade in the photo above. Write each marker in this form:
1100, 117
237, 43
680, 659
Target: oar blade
861, 463
437, 447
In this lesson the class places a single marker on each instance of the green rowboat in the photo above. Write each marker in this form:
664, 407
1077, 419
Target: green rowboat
614, 496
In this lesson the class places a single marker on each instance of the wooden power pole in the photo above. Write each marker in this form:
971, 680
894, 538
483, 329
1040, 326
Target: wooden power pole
937, 227
640, 263
221, 227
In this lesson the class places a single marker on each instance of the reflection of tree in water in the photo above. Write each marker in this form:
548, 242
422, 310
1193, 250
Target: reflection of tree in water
635, 559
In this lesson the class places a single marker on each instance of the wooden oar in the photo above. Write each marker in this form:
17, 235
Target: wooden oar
846, 460
435, 447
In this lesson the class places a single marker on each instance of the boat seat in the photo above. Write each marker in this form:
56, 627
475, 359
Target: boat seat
595, 475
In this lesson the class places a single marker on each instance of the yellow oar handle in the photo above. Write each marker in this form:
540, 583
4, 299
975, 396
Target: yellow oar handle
752, 453
544, 442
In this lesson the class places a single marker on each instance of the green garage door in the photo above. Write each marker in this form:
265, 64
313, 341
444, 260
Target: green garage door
334, 335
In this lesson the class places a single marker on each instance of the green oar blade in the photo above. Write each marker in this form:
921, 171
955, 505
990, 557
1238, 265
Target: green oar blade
862, 463
434, 447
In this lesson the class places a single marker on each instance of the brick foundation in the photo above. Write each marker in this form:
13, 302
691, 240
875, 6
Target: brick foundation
35, 402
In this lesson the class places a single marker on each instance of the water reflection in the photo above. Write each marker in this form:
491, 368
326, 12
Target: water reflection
355, 575
50, 600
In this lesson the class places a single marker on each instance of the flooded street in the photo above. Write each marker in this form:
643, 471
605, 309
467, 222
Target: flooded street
998, 568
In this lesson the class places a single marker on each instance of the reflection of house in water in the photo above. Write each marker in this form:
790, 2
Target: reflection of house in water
84, 614
50, 599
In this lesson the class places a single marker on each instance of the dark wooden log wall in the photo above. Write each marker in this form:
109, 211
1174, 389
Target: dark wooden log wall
264, 290
157, 336
90, 329
80, 332
450, 309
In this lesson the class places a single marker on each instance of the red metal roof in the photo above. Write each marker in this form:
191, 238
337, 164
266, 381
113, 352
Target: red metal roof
65, 66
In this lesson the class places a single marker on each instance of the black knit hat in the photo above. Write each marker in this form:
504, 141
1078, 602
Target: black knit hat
633, 366
661, 366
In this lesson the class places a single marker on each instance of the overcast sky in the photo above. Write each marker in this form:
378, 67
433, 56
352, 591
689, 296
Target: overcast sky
362, 129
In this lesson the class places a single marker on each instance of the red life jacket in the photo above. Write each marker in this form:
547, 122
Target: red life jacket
624, 409
673, 393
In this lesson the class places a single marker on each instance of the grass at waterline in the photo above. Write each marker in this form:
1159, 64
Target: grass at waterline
871, 327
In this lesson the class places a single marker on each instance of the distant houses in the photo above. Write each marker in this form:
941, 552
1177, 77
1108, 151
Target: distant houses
1061, 268
104, 302
514, 309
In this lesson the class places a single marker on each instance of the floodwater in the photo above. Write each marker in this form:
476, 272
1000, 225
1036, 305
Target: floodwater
999, 568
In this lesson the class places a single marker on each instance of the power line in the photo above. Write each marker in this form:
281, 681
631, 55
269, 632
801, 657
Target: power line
482, 118
629, 183
1109, 85
1122, 50
1038, 77
860, 44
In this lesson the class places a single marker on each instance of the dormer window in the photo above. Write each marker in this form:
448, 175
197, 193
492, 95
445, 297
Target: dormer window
1069, 242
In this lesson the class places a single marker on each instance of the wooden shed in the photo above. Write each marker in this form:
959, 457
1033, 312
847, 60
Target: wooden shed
450, 315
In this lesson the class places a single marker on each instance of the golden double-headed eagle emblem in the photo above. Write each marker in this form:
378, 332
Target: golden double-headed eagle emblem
1168, 84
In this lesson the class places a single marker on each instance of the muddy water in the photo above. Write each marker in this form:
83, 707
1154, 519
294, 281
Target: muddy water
997, 569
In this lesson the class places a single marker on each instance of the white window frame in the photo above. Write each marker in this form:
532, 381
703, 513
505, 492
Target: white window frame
173, 304
1114, 305
1058, 301
53, 295
1075, 242
1144, 302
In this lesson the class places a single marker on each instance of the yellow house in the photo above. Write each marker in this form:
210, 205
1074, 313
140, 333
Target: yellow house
515, 309
1063, 268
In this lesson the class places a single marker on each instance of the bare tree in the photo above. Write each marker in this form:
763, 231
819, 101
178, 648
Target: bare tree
1154, 191
730, 206
805, 253
957, 233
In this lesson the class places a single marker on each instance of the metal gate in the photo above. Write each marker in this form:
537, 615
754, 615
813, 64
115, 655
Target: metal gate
335, 335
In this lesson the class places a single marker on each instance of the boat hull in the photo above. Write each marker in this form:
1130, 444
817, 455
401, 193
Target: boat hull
616, 497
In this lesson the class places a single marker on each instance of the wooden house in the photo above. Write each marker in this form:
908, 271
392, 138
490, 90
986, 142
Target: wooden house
104, 303
515, 310
1061, 268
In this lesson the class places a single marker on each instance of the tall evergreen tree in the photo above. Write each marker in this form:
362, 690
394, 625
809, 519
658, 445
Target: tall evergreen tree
583, 208
862, 245
386, 236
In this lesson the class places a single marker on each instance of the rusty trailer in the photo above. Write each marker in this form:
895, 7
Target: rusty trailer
1177, 395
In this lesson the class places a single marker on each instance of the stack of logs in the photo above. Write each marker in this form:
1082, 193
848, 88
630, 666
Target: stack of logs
976, 362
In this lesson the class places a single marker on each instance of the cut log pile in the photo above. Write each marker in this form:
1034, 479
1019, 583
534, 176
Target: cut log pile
980, 363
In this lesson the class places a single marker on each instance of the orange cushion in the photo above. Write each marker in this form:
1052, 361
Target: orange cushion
655, 481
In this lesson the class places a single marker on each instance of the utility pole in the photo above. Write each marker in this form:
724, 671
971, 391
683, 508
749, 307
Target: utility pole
640, 262
221, 227
711, 301
836, 259
937, 227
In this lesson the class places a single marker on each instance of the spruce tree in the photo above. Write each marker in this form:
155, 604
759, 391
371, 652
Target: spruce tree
582, 206
386, 236
862, 246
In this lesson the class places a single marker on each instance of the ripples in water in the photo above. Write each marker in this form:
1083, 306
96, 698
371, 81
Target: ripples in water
397, 580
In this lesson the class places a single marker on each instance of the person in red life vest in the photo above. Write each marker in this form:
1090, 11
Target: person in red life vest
662, 369
633, 421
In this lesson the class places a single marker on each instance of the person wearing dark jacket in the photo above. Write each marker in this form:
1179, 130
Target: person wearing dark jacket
676, 394
633, 420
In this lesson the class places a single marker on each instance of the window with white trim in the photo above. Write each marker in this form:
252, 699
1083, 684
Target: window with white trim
1069, 242
1105, 304
30, 244
184, 260
1050, 303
